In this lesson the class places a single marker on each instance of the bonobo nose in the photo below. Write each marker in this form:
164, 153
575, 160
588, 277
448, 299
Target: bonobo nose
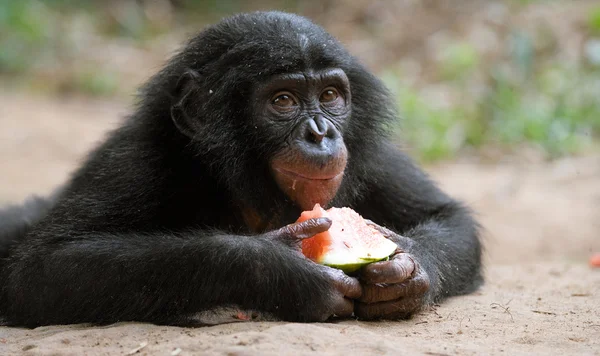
317, 129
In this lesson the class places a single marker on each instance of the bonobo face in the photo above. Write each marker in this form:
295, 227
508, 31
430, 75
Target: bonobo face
304, 114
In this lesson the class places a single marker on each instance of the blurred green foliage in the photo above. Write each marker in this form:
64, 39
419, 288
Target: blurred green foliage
593, 21
95, 83
24, 32
458, 60
548, 104
33, 40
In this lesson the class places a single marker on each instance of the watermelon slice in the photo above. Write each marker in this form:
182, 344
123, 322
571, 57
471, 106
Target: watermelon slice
349, 243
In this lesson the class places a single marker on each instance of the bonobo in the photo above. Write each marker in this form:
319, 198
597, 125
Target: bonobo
190, 205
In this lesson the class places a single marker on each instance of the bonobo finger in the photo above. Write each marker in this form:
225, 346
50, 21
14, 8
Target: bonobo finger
306, 229
349, 286
396, 309
292, 234
397, 270
414, 287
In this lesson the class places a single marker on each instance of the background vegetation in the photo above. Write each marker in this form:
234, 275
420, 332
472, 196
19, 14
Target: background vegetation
482, 77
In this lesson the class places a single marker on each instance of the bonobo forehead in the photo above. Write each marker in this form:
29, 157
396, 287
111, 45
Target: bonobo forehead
306, 80
267, 43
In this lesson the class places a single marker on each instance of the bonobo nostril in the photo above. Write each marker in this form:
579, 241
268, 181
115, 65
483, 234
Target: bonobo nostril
317, 128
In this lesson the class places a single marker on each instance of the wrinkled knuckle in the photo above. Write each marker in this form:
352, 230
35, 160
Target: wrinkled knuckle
339, 273
374, 272
403, 270
288, 230
368, 295
331, 273
341, 286
415, 264
348, 284
402, 289
309, 224
365, 298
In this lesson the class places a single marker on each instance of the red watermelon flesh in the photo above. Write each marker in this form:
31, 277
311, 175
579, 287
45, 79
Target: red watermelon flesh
349, 243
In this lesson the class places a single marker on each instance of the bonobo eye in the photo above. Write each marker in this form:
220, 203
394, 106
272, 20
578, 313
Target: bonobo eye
329, 95
283, 100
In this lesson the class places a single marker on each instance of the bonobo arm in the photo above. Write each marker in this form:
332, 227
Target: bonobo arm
162, 277
438, 235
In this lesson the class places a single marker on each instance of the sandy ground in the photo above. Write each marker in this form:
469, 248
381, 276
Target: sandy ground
542, 223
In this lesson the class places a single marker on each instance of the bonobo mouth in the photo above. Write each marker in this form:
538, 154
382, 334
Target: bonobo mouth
308, 178
317, 177
311, 186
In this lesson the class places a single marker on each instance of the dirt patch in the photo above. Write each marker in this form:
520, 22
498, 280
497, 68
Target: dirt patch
541, 222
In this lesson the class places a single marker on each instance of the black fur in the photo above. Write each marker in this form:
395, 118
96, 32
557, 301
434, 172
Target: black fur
150, 228
16, 220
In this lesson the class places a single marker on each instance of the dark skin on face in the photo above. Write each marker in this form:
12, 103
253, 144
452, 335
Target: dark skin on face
310, 169
310, 166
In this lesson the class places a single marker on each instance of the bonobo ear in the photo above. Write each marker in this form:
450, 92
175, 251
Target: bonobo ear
186, 96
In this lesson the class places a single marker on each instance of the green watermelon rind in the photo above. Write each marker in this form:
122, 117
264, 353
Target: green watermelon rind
353, 263
353, 267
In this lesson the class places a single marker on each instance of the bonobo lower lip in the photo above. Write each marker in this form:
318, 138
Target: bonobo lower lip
301, 176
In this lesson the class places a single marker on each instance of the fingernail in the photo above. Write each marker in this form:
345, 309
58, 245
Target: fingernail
325, 220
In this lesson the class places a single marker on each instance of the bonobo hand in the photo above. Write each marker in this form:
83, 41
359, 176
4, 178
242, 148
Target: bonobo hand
339, 300
393, 289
